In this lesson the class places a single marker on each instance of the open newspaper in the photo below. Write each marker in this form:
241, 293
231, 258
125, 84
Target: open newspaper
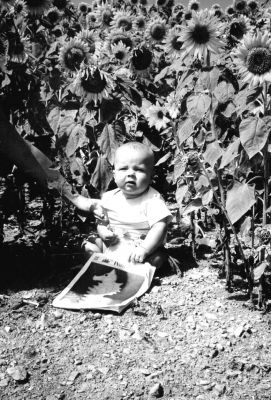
106, 284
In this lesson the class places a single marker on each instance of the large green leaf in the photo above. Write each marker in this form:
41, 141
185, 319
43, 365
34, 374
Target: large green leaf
230, 153
180, 193
110, 139
102, 175
239, 200
76, 139
224, 92
197, 106
213, 153
253, 134
185, 130
194, 205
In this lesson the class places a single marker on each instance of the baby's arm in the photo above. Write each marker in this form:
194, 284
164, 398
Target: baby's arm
89, 205
152, 241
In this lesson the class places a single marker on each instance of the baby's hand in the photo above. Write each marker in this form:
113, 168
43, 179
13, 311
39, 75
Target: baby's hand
107, 236
138, 255
98, 211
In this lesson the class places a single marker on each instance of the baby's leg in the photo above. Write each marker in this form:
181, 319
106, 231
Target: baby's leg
158, 258
93, 245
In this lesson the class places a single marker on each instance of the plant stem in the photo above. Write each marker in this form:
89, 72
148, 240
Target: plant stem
265, 163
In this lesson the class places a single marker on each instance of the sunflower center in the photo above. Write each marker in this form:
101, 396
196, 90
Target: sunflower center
176, 44
18, 48
124, 23
94, 83
140, 23
161, 2
2, 48
141, 58
158, 31
237, 29
241, 5
73, 58
200, 34
107, 17
120, 55
259, 60
53, 16
35, 4
160, 114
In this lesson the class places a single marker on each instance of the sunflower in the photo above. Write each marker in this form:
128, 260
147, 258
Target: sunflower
193, 5
141, 60
121, 52
83, 8
172, 42
104, 15
139, 23
253, 59
122, 20
19, 48
239, 27
252, 5
61, 4
201, 35
155, 115
38, 7
73, 54
117, 36
93, 84
53, 15
172, 104
156, 29
230, 10
240, 5
20, 8
89, 38
92, 20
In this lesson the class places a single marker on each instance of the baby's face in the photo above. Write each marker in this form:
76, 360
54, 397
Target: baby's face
133, 172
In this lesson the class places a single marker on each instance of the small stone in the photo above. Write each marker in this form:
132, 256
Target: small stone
214, 353
4, 382
57, 314
72, 377
239, 331
18, 373
220, 389
156, 391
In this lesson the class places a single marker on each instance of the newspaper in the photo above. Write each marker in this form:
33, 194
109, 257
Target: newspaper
106, 284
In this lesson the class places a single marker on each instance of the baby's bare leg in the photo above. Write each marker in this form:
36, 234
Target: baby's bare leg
158, 258
95, 246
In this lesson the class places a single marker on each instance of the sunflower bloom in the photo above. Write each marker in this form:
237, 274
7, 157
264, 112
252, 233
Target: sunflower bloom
156, 116
120, 52
73, 54
37, 7
201, 35
141, 61
173, 43
122, 20
19, 48
89, 38
156, 30
253, 59
239, 27
93, 84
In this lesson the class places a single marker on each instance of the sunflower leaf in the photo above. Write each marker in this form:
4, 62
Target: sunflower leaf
109, 140
213, 153
185, 130
197, 106
239, 200
224, 92
253, 134
230, 153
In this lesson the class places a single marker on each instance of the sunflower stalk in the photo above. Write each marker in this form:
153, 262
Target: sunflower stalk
225, 213
265, 162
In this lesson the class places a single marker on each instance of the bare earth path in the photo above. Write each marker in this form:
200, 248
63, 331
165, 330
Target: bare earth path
186, 339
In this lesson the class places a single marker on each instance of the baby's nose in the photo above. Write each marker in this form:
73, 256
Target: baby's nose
130, 172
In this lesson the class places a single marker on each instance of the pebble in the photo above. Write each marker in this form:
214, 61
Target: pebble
18, 373
156, 391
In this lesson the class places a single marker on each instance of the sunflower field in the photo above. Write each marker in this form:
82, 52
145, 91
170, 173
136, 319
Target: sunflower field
191, 83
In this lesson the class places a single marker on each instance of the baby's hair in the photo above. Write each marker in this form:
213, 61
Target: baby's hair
140, 147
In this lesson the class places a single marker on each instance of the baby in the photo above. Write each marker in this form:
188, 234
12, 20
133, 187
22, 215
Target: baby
137, 216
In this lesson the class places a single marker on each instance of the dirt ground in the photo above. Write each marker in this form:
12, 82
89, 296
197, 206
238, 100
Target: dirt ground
187, 338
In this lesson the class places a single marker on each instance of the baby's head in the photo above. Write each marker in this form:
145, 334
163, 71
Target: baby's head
134, 163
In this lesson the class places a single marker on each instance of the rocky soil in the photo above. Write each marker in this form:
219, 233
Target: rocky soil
187, 338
